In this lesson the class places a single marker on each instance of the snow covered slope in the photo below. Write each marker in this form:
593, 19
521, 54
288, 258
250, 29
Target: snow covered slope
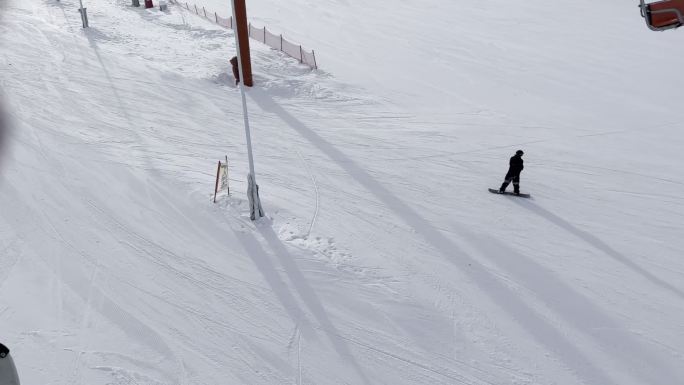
382, 259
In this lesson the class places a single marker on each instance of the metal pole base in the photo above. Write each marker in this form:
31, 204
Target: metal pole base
84, 16
253, 195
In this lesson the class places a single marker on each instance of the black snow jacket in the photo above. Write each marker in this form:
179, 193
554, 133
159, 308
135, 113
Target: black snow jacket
515, 165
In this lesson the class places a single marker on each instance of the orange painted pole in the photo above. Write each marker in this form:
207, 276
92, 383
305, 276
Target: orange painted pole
242, 30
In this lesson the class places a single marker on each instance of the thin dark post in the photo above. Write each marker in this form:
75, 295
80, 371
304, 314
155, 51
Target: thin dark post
218, 173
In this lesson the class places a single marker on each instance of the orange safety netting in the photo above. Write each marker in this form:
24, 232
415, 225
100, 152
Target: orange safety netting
261, 34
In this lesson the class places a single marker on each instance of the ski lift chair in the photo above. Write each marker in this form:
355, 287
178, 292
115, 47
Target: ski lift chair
664, 14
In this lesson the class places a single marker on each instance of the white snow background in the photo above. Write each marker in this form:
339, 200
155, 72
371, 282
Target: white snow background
382, 258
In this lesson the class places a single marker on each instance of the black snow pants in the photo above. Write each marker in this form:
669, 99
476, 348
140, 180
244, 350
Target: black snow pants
511, 177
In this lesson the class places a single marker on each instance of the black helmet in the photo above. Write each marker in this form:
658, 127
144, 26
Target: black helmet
519, 152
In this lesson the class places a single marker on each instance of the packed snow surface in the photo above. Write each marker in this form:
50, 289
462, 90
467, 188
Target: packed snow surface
382, 258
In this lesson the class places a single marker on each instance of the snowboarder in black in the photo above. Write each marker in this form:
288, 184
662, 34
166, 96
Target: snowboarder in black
513, 174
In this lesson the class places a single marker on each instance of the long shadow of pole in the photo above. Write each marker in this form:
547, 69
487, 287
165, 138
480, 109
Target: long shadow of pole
543, 332
308, 295
265, 266
577, 310
600, 245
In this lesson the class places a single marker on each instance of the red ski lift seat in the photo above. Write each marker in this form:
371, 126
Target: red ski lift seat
662, 15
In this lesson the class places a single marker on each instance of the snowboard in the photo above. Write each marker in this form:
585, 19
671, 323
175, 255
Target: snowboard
494, 191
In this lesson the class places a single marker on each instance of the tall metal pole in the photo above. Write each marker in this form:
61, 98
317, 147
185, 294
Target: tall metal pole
84, 14
252, 187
